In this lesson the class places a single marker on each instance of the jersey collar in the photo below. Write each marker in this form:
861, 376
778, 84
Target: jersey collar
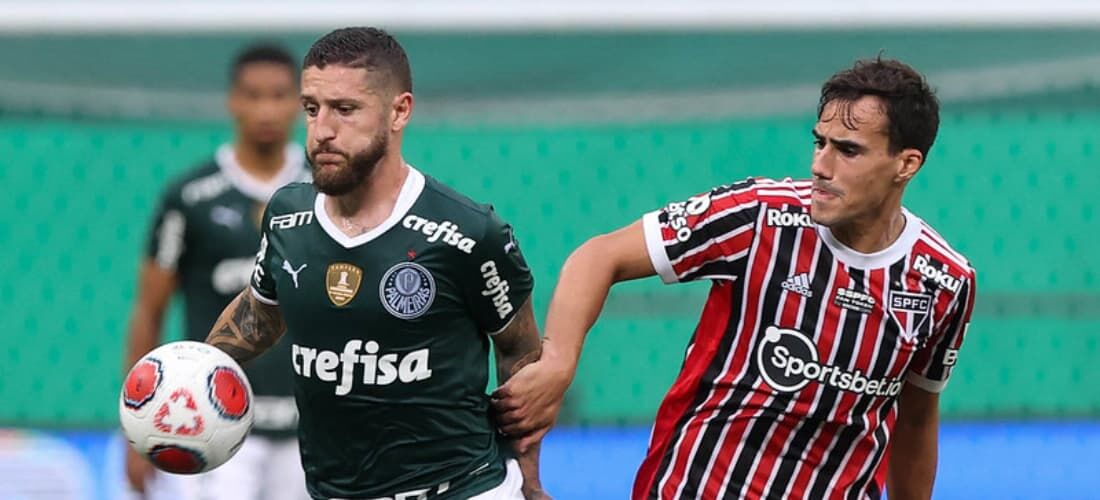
292, 170
410, 192
882, 258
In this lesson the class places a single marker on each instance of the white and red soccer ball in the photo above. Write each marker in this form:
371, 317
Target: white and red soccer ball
186, 406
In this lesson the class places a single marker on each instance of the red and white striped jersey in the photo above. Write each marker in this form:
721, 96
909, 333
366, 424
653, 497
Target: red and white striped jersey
790, 384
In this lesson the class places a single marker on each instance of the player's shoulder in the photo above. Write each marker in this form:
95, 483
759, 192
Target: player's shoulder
443, 199
197, 183
787, 191
295, 195
934, 256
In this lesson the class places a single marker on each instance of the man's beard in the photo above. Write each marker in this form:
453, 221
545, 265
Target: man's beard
338, 181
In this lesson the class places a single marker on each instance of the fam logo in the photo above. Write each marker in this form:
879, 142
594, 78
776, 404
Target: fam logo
407, 290
288, 221
788, 361
678, 213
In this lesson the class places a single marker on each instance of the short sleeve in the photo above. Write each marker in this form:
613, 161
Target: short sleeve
263, 277
932, 365
503, 282
166, 239
704, 236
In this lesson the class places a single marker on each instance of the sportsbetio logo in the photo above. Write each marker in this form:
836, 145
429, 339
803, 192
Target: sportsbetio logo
377, 368
788, 361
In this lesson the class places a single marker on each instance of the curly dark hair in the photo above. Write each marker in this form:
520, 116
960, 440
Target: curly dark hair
911, 106
361, 47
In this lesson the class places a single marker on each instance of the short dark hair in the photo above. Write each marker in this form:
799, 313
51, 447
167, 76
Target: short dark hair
362, 47
911, 106
262, 53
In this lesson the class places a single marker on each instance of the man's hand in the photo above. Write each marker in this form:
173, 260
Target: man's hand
138, 470
528, 404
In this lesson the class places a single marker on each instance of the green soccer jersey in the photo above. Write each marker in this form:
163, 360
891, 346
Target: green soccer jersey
206, 230
390, 338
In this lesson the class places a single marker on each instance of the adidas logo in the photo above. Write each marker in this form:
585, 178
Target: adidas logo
799, 283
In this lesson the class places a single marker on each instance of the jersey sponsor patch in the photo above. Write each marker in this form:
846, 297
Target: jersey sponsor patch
788, 361
778, 218
407, 290
496, 289
342, 282
447, 232
854, 300
290, 221
939, 274
910, 311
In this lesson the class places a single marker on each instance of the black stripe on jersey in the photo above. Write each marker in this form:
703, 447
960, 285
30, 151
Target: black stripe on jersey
936, 371
712, 372
701, 236
818, 413
867, 477
781, 267
720, 267
764, 426
805, 432
848, 436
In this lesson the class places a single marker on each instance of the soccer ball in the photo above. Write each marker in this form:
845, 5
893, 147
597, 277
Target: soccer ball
186, 406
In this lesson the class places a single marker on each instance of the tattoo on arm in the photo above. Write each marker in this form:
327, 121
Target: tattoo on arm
247, 328
518, 345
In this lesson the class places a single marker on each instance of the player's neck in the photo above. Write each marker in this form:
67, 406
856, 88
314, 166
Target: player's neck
370, 204
261, 162
873, 234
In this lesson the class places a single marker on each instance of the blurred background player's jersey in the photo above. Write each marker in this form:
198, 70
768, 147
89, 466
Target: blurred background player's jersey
206, 229
390, 338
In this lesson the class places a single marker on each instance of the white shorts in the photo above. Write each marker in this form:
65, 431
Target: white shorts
509, 489
263, 469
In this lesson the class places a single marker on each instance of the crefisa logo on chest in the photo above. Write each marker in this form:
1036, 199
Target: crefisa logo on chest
407, 290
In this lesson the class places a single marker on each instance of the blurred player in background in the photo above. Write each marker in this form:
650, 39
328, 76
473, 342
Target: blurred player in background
834, 318
391, 287
203, 243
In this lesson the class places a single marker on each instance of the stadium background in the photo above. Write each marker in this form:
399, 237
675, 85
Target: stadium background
572, 128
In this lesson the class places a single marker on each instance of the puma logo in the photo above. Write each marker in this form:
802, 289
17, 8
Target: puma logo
293, 272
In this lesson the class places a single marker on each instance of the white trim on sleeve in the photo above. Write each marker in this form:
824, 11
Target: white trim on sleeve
655, 246
926, 383
261, 298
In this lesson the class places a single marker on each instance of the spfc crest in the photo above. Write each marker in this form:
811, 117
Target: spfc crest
407, 290
911, 311
342, 282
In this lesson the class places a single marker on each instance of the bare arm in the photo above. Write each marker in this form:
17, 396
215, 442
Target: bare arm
517, 346
913, 448
155, 288
247, 328
530, 401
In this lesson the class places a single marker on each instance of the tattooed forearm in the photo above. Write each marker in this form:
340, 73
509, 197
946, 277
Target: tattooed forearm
247, 328
518, 345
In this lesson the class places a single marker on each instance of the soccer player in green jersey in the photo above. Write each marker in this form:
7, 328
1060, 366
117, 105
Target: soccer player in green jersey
390, 288
203, 244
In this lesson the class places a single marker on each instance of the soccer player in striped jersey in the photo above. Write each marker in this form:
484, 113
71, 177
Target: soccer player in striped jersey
834, 318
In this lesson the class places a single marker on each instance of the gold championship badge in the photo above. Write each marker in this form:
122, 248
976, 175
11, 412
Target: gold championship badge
342, 281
